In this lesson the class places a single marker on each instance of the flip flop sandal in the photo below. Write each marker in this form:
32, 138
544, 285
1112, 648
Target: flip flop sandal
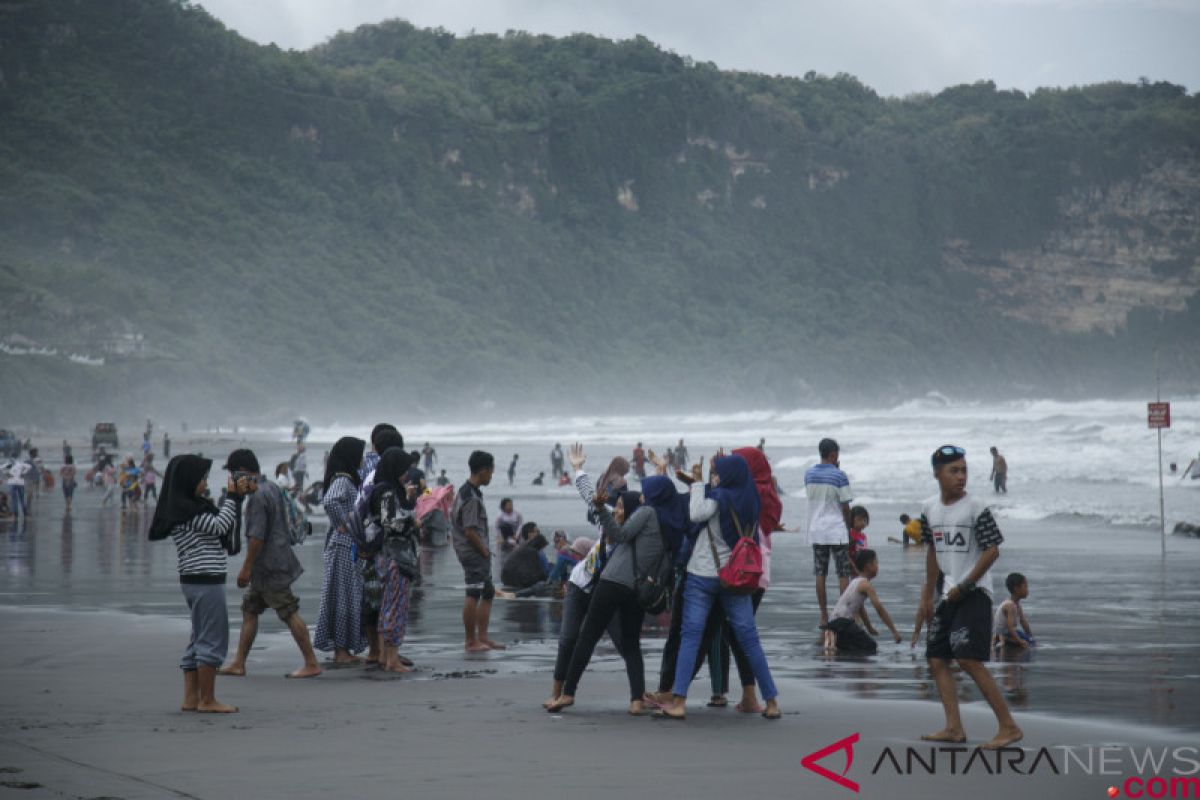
775, 716
662, 714
650, 701
750, 710
718, 702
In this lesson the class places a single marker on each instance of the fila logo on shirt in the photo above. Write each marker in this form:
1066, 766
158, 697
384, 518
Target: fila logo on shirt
951, 539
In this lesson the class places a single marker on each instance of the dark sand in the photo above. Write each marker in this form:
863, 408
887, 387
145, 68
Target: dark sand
90, 701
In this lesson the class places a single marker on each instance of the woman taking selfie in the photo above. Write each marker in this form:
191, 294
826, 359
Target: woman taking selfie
200, 531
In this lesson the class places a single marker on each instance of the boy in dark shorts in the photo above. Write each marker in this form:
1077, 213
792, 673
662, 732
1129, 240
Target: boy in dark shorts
962, 541
468, 518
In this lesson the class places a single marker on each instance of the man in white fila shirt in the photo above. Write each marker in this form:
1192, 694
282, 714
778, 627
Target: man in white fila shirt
962, 542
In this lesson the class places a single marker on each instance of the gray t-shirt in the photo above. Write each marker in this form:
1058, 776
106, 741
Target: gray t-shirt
264, 518
468, 512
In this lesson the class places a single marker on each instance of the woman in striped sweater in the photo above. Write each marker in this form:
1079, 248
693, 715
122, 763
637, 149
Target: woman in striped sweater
200, 531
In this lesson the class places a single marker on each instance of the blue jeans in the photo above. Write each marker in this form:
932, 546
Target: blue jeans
17, 494
699, 596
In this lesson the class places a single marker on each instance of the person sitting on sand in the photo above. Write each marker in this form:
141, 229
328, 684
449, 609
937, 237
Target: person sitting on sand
843, 634
525, 570
1010, 615
198, 527
962, 540
540, 480
508, 523
269, 570
468, 520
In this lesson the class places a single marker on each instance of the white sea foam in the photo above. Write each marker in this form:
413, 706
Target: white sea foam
1093, 458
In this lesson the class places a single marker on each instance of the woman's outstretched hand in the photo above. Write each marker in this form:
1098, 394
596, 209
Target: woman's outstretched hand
660, 463
575, 454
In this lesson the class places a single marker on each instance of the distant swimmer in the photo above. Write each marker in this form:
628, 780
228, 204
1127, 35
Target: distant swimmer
999, 472
911, 533
512, 469
639, 461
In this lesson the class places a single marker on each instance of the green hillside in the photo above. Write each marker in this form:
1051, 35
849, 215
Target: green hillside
405, 218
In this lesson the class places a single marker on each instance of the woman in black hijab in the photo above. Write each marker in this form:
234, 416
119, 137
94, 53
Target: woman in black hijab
339, 625
396, 532
201, 532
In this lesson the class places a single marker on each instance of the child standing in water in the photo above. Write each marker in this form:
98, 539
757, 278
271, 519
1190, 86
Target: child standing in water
962, 541
1005, 630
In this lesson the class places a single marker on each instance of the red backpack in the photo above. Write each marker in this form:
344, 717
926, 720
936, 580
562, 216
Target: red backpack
742, 573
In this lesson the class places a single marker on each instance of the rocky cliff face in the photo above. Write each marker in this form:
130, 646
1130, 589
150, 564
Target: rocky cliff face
1132, 245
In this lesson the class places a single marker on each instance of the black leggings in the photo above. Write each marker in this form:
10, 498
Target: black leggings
712, 628
610, 599
575, 606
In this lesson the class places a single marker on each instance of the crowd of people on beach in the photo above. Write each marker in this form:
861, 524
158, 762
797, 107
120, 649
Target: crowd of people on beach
693, 547
679, 544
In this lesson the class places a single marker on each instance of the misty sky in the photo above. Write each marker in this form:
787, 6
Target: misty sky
895, 46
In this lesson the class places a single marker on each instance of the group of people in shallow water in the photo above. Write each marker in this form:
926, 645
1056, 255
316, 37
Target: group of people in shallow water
700, 548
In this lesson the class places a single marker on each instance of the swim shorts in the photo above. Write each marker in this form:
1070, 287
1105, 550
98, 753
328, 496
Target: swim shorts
962, 629
841, 559
284, 603
477, 571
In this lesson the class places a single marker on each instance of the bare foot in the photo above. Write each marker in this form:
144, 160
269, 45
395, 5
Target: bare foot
216, 707
476, 647
189, 705
1004, 738
234, 670
493, 645
306, 672
945, 735
565, 701
396, 667
549, 701
346, 659
662, 698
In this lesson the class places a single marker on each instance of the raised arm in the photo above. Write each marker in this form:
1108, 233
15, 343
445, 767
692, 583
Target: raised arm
221, 523
701, 508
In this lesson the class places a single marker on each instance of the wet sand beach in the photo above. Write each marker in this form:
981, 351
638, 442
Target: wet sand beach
93, 625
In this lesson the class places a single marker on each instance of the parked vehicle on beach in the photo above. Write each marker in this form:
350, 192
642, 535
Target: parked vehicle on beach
105, 435
10, 445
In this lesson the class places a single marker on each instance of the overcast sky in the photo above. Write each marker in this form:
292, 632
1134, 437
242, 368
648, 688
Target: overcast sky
895, 46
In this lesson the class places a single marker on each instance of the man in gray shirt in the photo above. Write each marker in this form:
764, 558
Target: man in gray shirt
269, 570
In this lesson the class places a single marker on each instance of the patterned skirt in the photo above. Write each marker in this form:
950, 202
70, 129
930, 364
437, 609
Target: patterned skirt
393, 610
339, 624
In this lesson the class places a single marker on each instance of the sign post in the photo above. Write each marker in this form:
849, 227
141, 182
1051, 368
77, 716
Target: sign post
1158, 417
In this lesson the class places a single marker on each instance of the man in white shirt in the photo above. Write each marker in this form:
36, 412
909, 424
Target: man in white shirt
962, 542
15, 470
829, 499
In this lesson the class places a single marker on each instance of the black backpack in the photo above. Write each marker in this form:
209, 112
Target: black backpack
654, 589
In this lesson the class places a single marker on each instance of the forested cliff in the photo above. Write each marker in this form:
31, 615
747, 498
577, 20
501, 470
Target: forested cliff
403, 218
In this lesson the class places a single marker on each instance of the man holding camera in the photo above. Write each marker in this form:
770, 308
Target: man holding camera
270, 567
